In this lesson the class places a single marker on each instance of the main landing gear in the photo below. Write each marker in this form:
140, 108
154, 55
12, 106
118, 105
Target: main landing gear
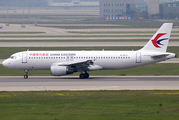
82, 76
26, 74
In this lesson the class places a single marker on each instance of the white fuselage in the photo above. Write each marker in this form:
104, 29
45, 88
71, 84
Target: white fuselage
106, 60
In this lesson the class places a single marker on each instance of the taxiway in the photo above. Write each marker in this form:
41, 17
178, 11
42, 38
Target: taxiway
41, 83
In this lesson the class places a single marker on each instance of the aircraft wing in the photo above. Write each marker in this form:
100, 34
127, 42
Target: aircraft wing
84, 63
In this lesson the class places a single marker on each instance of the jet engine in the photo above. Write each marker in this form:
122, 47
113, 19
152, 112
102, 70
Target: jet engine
61, 70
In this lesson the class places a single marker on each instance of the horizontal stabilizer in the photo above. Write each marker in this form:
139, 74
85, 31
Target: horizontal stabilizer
159, 55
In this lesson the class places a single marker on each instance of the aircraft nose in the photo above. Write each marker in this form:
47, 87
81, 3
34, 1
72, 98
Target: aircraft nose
4, 63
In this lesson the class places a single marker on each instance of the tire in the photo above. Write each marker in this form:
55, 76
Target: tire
25, 76
86, 75
82, 76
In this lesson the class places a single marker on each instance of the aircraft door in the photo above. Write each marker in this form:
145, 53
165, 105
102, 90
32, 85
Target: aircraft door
24, 57
138, 57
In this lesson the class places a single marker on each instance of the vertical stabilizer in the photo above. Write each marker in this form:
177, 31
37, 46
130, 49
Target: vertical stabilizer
159, 42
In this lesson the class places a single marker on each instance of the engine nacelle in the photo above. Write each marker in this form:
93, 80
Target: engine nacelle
60, 70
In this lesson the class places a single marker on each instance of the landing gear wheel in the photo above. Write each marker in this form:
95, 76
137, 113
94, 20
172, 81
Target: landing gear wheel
86, 75
25, 76
82, 76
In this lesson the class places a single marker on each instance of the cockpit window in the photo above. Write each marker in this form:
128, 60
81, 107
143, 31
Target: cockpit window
13, 57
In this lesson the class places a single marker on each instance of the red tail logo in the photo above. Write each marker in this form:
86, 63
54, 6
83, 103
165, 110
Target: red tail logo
156, 42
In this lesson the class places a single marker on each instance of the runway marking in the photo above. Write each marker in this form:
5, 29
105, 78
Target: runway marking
96, 88
5, 96
128, 79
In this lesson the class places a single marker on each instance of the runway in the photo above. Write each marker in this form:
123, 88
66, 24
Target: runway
41, 83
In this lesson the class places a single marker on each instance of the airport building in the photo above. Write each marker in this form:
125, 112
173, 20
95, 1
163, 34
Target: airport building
116, 9
152, 8
73, 3
169, 10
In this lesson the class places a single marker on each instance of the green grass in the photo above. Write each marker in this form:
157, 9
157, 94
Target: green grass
82, 40
152, 69
21, 32
74, 36
115, 32
7, 51
123, 23
89, 105
79, 36
95, 27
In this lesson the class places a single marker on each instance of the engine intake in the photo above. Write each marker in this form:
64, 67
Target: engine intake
60, 70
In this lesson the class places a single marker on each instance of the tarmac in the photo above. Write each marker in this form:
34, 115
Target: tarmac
42, 83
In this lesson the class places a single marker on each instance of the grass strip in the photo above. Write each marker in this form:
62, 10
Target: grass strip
7, 51
116, 32
74, 36
21, 32
83, 40
89, 105
152, 69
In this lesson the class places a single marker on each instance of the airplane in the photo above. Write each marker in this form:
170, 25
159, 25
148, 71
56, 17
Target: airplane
67, 62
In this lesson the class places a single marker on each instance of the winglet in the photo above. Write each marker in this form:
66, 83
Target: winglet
159, 42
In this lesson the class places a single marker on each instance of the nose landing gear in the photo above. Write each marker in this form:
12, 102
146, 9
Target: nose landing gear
26, 74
